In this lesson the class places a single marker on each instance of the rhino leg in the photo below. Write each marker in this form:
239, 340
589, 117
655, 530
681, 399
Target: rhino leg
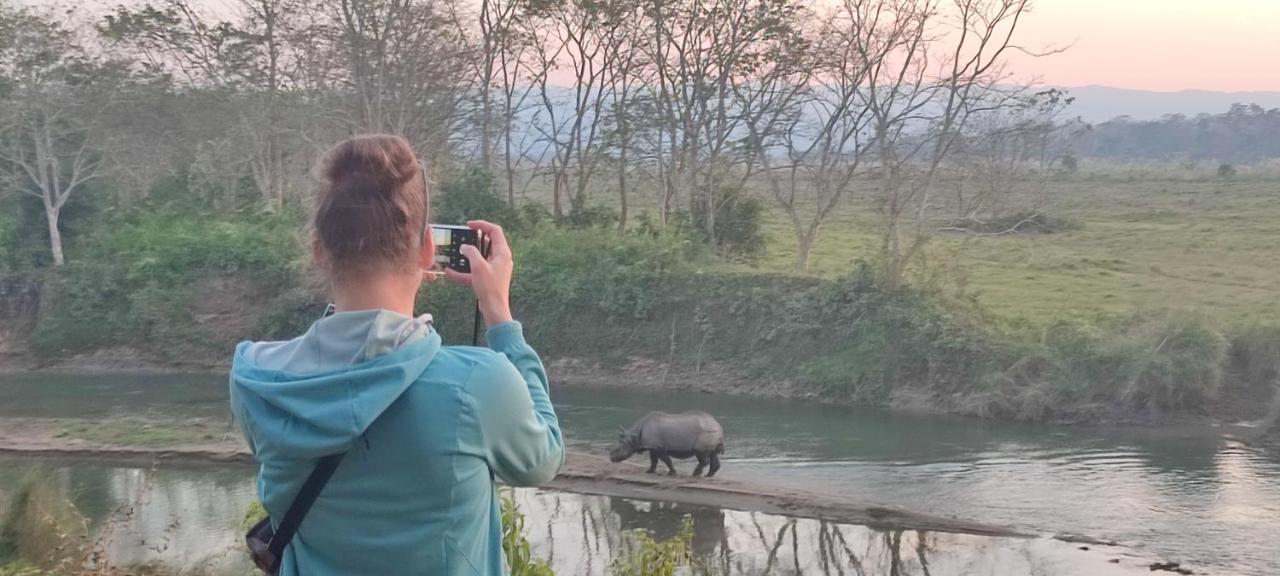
715, 464
653, 463
671, 468
702, 463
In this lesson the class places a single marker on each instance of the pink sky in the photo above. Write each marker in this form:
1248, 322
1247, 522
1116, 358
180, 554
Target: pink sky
1230, 45
1226, 45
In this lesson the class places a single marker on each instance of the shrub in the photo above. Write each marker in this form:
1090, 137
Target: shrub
1226, 170
649, 557
471, 197
565, 270
515, 547
41, 528
1152, 364
737, 227
1255, 355
1170, 364
588, 217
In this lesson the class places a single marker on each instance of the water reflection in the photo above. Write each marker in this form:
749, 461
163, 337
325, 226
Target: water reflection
1183, 493
189, 520
582, 534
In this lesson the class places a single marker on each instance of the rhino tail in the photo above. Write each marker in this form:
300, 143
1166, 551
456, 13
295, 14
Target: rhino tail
720, 448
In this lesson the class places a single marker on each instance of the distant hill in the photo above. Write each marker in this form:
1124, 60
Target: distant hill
1096, 104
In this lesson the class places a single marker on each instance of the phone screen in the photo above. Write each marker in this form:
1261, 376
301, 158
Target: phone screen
449, 241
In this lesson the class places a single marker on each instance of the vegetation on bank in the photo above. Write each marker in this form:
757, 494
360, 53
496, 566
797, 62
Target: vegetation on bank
183, 285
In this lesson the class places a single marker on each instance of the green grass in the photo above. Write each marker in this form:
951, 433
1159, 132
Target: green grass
137, 432
1149, 238
1204, 246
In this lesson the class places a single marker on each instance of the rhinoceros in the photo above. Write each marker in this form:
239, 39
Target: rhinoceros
666, 436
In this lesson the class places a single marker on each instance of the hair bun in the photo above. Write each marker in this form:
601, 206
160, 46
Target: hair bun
385, 161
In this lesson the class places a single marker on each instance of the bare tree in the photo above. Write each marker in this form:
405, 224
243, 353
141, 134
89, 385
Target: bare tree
1003, 148
406, 65
253, 62
933, 66
700, 51
810, 127
588, 40
57, 93
506, 44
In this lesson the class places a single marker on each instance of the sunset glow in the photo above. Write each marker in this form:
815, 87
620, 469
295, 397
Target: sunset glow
1231, 45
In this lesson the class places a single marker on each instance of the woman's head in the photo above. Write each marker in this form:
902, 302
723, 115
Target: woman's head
372, 208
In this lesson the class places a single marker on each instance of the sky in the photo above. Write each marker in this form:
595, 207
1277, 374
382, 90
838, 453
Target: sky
1165, 45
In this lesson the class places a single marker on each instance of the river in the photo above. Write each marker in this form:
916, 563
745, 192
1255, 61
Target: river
1181, 494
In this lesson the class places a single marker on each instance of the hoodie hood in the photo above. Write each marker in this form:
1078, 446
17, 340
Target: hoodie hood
318, 393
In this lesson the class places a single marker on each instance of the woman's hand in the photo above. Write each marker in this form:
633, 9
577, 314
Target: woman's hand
489, 278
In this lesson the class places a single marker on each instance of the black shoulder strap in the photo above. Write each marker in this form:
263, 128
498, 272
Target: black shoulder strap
302, 502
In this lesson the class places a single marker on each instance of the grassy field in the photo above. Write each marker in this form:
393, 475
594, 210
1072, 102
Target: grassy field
1147, 239
1207, 246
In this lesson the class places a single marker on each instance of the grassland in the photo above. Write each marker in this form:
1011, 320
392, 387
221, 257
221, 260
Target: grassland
1210, 246
1147, 239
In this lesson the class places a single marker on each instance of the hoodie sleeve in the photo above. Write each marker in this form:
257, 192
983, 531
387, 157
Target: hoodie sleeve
521, 435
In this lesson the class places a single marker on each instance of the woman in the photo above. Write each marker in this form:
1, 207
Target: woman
426, 427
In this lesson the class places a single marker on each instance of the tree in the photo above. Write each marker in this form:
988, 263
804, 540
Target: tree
249, 68
506, 44
809, 125
407, 67
55, 95
933, 66
701, 51
1002, 148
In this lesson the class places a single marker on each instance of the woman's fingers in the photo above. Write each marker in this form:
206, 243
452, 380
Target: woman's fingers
474, 257
497, 238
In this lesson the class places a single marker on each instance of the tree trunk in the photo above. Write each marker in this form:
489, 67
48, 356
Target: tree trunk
804, 246
55, 236
556, 190
622, 187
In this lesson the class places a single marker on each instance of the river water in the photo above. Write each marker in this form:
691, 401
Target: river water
1164, 494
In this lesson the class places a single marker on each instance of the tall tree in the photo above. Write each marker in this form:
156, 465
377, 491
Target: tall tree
809, 125
55, 94
933, 66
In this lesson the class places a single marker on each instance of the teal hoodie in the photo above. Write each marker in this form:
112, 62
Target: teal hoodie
428, 429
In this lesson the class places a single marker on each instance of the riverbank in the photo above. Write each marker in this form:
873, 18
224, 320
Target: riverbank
651, 312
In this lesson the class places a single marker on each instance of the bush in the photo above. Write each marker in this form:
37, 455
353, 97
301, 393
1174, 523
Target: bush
41, 528
471, 197
1226, 170
1146, 364
1170, 364
1255, 355
134, 280
589, 217
574, 271
649, 557
737, 230
515, 547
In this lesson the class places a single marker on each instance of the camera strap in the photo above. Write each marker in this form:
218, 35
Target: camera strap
302, 503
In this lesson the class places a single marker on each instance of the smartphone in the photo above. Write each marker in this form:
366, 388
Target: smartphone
449, 240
